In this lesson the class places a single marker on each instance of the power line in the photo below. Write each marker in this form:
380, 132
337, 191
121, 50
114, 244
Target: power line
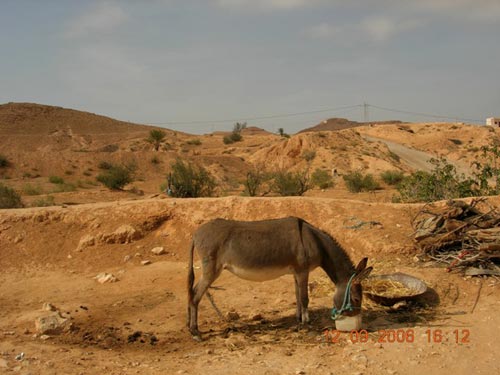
257, 118
425, 114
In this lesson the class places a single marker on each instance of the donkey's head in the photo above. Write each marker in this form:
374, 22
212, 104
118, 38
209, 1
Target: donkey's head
349, 294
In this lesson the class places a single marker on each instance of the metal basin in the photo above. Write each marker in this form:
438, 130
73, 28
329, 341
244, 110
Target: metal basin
415, 287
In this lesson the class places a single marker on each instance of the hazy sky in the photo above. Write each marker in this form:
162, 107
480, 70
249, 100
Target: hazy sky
181, 61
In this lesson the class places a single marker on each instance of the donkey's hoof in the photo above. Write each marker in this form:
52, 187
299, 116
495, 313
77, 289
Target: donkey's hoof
197, 337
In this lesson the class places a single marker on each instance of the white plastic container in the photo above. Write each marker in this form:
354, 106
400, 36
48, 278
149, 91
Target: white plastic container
348, 323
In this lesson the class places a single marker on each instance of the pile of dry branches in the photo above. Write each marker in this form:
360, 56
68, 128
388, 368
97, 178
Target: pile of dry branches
464, 236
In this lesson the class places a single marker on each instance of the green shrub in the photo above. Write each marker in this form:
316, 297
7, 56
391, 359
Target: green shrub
356, 182
227, 140
190, 181
9, 198
56, 180
290, 183
392, 177
321, 179
442, 183
116, 177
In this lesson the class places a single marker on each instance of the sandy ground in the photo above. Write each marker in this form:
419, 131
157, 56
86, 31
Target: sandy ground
137, 324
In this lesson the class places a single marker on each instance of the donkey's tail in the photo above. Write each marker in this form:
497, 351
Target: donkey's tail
190, 280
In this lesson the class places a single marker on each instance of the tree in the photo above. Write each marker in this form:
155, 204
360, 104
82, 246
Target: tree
282, 133
290, 183
235, 135
156, 137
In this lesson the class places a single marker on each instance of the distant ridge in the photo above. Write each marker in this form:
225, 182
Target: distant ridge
333, 124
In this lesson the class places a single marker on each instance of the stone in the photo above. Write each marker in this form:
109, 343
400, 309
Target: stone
106, 278
52, 324
145, 262
86, 241
158, 250
124, 234
47, 306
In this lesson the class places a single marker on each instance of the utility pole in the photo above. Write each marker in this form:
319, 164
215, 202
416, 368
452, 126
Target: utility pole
365, 112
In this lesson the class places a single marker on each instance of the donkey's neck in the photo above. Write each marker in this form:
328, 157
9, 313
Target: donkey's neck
336, 263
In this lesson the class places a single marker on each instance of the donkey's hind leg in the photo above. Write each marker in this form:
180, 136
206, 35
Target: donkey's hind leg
302, 281
208, 277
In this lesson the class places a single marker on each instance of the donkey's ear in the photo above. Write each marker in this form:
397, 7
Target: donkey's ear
362, 275
361, 265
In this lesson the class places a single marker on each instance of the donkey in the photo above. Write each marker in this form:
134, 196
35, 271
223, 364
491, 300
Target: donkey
265, 250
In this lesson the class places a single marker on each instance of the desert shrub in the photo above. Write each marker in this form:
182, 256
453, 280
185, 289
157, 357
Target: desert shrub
155, 160
156, 137
194, 142
68, 172
392, 177
356, 182
9, 198
116, 177
394, 156
4, 162
309, 155
56, 180
321, 179
456, 141
235, 135
443, 182
30, 189
290, 183
190, 181
253, 182
44, 202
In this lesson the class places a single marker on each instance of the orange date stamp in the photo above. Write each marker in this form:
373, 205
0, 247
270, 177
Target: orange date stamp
399, 336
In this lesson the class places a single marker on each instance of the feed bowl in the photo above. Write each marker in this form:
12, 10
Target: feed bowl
400, 287
348, 323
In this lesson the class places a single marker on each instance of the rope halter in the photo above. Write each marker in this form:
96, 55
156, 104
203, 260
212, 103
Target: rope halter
346, 304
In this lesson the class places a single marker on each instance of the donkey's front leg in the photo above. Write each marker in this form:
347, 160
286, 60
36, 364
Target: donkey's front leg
302, 280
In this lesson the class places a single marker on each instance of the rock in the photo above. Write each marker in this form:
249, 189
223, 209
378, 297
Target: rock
158, 250
52, 324
105, 278
20, 357
47, 306
126, 258
232, 316
124, 234
145, 262
86, 241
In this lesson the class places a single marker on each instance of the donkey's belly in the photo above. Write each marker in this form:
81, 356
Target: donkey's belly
258, 274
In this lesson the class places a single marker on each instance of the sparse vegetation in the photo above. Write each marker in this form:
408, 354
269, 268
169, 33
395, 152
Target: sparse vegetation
56, 180
194, 142
442, 183
190, 181
290, 183
104, 165
64, 187
235, 135
110, 148
44, 202
253, 182
9, 198
156, 137
322, 179
392, 177
30, 189
394, 156
155, 160
117, 176
309, 155
282, 133
356, 182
